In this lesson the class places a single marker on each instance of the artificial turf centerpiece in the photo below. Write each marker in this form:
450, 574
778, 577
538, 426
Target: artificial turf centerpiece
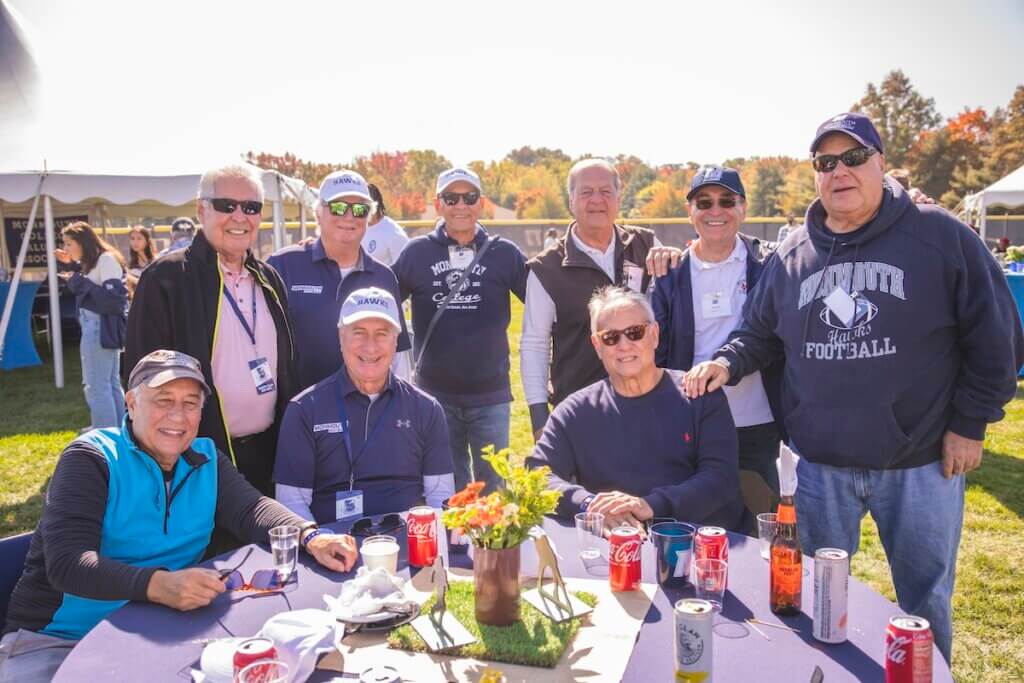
497, 524
534, 640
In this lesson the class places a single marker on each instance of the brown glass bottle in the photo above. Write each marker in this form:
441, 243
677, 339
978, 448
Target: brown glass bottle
787, 570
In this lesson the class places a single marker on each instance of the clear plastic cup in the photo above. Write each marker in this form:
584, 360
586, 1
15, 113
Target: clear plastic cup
589, 532
766, 526
380, 551
709, 578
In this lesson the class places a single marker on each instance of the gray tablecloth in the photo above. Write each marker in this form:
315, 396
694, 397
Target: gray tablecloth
154, 643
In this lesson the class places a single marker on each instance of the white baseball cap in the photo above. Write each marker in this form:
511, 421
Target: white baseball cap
344, 182
454, 175
371, 302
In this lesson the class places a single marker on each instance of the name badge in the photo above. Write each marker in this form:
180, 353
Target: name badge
348, 504
460, 257
633, 276
262, 377
715, 305
841, 305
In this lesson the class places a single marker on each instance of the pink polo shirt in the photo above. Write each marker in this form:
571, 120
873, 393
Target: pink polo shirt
245, 410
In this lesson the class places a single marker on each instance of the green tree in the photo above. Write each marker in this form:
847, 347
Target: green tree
899, 112
765, 191
421, 170
660, 199
539, 195
799, 191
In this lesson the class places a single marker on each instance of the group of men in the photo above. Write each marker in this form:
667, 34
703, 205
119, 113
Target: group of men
877, 340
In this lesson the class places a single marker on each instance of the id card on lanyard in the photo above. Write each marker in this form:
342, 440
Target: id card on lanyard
259, 368
349, 504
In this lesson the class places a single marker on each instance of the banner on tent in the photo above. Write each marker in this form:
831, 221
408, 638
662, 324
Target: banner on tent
14, 229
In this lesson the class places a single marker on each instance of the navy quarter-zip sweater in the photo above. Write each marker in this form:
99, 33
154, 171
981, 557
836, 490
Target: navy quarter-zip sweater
923, 337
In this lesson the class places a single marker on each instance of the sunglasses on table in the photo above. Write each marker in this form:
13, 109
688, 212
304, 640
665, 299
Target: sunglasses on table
225, 205
359, 209
726, 202
365, 526
632, 333
826, 163
468, 198
262, 581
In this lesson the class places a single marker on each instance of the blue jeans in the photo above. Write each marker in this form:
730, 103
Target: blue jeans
469, 430
919, 514
100, 375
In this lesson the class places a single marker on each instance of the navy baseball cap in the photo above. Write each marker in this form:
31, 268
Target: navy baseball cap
729, 178
857, 126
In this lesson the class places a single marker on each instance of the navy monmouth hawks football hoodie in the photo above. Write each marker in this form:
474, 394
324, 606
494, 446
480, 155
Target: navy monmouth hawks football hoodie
892, 334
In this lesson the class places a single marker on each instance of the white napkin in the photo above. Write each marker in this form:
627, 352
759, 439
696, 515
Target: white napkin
787, 470
370, 592
300, 637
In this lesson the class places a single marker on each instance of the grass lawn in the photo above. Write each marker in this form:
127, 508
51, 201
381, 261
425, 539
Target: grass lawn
36, 421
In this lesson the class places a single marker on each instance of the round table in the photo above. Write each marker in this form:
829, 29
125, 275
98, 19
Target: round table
161, 644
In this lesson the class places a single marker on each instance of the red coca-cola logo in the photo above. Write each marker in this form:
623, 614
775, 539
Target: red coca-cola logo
896, 651
422, 529
625, 552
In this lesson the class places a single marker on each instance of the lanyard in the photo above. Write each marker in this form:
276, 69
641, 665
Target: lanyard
347, 436
251, 331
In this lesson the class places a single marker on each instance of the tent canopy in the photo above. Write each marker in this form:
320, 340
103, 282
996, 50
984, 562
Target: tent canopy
1008, 191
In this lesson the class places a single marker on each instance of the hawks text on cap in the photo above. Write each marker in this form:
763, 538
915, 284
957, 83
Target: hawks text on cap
371, 302
454, 175
344, 183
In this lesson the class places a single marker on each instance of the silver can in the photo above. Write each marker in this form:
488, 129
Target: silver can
694, 645
831, 594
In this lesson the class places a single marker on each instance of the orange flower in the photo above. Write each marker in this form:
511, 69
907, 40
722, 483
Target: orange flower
468, 495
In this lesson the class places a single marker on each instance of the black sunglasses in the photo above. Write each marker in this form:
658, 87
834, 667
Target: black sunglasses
359, 210
224, 205
726, 202
632, 333
364, 526
826, 163
468, 198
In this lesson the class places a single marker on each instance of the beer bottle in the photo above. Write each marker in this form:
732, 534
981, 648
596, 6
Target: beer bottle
786, 561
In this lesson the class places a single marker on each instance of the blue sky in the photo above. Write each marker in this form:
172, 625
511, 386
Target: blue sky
142, 86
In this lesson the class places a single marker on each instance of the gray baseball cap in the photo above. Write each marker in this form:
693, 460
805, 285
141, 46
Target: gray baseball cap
159, 367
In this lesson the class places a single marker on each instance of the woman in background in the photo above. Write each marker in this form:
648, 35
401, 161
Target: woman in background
100, 293
140, 255
384, 239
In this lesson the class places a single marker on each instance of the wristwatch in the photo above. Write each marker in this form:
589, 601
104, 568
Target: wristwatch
586, 502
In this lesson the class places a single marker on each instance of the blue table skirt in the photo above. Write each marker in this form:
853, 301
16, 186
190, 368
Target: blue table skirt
19, 349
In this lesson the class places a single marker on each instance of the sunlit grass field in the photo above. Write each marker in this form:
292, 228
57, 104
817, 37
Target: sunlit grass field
37, 420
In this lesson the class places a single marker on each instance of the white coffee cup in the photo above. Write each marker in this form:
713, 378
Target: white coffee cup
380, 551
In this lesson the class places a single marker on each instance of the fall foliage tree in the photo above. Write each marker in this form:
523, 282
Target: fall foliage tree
899, 112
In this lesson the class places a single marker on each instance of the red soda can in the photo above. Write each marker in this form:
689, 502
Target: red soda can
624, 559
253, 650
711, 543
422, 528
908, 650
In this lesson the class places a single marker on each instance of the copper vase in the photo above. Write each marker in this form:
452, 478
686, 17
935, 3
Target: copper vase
496, 585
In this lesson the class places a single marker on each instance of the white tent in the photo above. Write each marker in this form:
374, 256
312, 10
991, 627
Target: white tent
1008, 191
171, 191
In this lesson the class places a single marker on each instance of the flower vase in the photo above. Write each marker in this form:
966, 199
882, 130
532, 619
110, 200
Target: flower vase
496, 585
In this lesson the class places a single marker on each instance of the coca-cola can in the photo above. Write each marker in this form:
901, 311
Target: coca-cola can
624, 558
711, 543
831, 586
422, 529
253, 650
908, 650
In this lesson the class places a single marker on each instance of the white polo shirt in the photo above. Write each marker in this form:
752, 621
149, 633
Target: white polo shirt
726, 280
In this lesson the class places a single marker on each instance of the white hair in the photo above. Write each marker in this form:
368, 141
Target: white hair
613, 298
584, 164
208, 183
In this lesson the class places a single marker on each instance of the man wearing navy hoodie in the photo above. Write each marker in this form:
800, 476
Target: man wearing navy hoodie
901, 342
460, 346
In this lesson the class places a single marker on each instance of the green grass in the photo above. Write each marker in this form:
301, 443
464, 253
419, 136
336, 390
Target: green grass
535, 640
36, 421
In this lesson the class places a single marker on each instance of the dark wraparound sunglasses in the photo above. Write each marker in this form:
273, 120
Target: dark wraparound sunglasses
826, 163
359, 210
705, 203
224, 205
364, 526
632, 333
468, 198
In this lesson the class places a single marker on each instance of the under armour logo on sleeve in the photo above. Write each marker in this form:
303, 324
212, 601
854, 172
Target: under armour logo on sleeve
403, 423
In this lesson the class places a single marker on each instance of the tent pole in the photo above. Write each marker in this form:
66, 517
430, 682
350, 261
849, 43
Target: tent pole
278, 215
51, 271
302, 220
982, 222
5, 319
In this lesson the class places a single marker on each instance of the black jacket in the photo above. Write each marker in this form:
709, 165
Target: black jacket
175, 307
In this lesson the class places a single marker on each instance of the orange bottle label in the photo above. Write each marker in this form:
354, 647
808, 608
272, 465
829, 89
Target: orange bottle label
787, 575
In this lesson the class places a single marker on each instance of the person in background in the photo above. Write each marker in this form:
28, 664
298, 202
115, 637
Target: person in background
550, 239
101, 541
384, 239
215, 301
97, 288
140, 255
790, 226
183, 231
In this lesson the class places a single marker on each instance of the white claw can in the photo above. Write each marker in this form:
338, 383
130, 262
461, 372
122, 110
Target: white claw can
693, 640
831, 594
